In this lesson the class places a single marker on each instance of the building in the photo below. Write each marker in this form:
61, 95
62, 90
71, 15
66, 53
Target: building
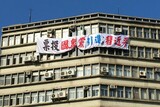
96, 77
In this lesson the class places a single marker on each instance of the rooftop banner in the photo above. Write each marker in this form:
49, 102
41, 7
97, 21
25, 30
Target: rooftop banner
57, 46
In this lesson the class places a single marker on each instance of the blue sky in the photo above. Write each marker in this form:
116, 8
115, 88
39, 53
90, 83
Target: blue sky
17, 11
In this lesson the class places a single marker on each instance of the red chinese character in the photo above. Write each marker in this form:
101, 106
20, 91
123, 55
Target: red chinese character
73, 43
109, 40
125, 42
118, 41
64, 44
81, 42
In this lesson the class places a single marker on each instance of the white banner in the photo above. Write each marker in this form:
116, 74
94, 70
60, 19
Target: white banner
57, 46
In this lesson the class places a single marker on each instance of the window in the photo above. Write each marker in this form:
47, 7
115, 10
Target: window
1, 99
139, 32
11, 40
132, 31
112, 92
153, 34
80, 92
30, 38
14, 79
94, 29
79, 71
72, 93
127, 92
8, 79
22, 58
111, 51
135, 93
150, 74
26, 98
102, 29
20, 78
2, 80
5, 41
41, 76
87, 30
110, 29
6, 101
57, 74
34, 97
41, 97
80, 31
15, 59
152, 94
143, 93
95, 91
37, 35
120, 91
9, 60
87, 70
133, 52
13, 100
3, 60
58, 33
146, 33
157, 75
158, 94
127, 72
17, 40
65, 33
125, 30
95, 69
87, 91
148, 52
118, 70
135, 73
44, 34
111, 70
49, 95
24, 39
19, 99
104, 90
35, 77
140, 52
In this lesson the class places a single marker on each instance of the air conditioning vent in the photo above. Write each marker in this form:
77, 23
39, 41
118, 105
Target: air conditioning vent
28, 59
119, 30
104, 71
142, 74
48, 75
112, 87
63, 73
71, 73
54, 96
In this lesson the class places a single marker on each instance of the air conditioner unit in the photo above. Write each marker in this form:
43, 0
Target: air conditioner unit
142, 73
54, 96
35, 58
71, 73
104, 71
48, 75
157, 69
62, 94
86, 88
50, 33
28, 59
112, 87
118, 30
28, 73
156, 55
63, 73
